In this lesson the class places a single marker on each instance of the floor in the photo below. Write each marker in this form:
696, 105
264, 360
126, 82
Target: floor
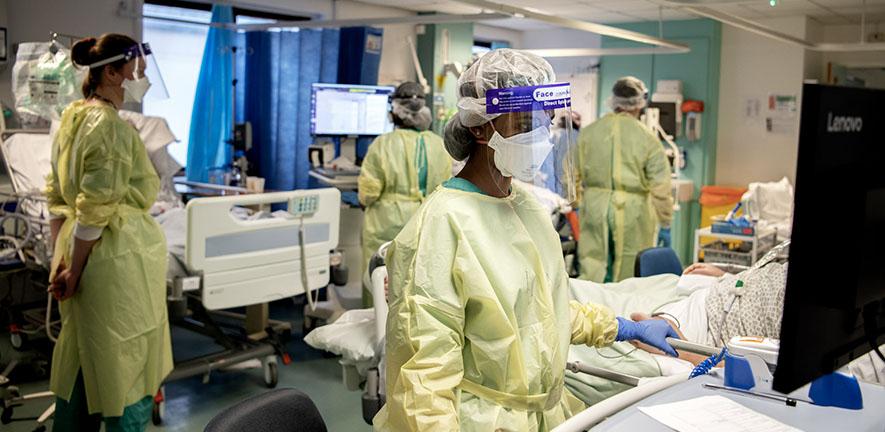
192, 403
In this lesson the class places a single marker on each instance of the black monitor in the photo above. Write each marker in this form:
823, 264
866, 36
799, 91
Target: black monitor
834, 307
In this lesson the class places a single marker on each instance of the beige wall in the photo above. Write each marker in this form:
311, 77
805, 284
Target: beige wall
753, 67
850, 34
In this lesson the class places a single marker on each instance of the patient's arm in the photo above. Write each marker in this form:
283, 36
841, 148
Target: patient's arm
692, 358
704, 269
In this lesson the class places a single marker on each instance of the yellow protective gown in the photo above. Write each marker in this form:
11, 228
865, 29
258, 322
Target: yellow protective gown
480, 320
625, 183
115, 327
389, 183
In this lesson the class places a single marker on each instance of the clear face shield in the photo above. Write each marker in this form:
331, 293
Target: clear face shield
527, 145
143, 80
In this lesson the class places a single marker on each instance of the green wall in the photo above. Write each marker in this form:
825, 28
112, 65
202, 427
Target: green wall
430, 53
699, 72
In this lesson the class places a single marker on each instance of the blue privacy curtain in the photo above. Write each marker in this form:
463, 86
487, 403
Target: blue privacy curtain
211, 118
279, 69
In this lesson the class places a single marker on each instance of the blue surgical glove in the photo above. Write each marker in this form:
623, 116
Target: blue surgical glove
664, 239
653, 332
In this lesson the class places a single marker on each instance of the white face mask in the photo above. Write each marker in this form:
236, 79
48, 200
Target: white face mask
522, 155
134, 90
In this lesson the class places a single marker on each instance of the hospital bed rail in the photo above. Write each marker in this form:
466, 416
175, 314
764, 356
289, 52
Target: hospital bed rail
598, 412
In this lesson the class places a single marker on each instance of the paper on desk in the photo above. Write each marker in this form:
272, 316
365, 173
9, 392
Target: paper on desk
716, 413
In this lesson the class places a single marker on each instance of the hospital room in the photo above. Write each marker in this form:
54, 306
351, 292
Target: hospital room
442, 215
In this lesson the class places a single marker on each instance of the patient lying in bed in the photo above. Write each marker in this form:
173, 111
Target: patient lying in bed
695, 305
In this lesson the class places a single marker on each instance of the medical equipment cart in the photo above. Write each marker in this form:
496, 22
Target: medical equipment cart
760, 243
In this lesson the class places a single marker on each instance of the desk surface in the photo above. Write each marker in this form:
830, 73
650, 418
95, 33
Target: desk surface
804, 416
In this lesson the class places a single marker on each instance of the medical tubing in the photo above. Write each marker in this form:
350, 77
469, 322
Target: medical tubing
48, 322
616, 357
707, 365
310, 300
667, 315
19, 244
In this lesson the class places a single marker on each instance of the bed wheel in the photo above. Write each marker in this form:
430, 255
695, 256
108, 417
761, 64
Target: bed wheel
271, 374
18, 340
6, 416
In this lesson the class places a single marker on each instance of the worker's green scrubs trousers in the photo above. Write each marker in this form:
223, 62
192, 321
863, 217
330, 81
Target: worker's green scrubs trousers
73, 415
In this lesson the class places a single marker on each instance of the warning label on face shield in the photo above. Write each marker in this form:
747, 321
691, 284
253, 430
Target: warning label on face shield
532, 98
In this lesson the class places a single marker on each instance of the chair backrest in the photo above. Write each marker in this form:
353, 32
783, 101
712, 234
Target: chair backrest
655, 261
281, 410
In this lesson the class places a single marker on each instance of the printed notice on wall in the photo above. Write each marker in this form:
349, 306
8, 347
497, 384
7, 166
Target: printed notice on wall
752, 108
782, 114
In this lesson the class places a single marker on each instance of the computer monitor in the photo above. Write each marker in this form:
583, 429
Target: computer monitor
835, 296
350, 110
667, 119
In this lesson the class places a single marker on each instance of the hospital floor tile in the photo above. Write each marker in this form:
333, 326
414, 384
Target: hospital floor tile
191, 403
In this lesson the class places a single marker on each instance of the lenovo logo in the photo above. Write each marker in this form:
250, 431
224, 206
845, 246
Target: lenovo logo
844, 123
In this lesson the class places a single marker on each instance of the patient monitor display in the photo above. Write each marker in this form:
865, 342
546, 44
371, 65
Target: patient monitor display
834, 307
350, 110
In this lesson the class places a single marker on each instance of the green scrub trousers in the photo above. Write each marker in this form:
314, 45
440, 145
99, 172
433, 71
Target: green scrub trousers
74, 415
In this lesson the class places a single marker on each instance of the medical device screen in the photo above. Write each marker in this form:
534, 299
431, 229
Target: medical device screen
834, 306
343, 109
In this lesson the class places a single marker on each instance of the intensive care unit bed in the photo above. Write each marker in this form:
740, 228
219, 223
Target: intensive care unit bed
613, 381
224, 252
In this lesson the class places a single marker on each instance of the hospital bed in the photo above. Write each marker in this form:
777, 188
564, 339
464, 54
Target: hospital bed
593, 375
221, 256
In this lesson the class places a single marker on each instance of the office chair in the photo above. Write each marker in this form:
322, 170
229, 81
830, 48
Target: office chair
655, 261
280, 410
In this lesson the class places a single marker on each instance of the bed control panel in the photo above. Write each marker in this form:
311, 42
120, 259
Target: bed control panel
304, 205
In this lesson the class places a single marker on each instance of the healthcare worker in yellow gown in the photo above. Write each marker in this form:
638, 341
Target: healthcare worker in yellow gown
625, 178
400, 169
109, 264
480, 320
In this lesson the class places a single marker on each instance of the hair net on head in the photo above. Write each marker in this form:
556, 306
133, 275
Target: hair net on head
501, 68
410, 94
411, 117
458, 139
408, 90
409, 106
628, 94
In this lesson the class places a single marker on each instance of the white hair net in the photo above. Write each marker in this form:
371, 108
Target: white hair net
628, 94
412, 113
501, 68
